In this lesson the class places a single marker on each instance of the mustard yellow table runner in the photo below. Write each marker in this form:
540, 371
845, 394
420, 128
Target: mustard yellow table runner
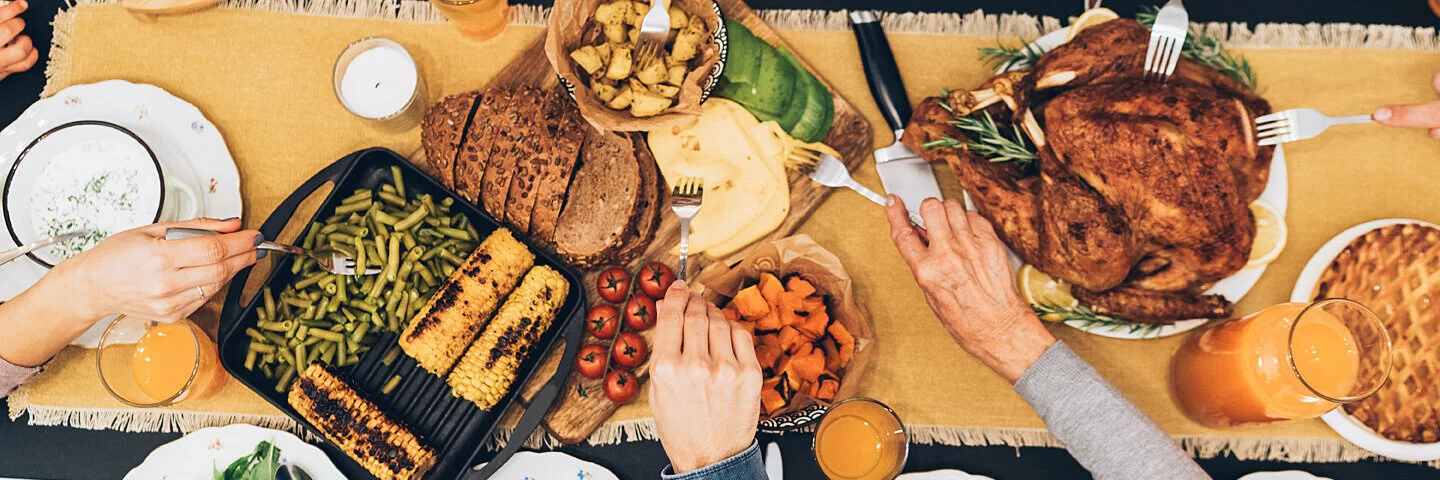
261, 70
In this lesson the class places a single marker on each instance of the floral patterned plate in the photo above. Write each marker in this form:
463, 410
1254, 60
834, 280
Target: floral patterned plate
187, 144
549, 466
196, 456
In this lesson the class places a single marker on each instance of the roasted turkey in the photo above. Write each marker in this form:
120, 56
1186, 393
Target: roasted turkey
1140, 195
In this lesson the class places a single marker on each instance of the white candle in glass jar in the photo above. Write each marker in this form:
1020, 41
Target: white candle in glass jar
379, 82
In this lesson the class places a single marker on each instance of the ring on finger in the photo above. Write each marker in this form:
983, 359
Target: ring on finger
201, 290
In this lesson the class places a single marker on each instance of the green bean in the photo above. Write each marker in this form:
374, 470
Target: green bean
384, 218
321, 324
387, 188
261, 347
390, 385
393, 259
340, 350
407, 240
392, 199
361, 194
269, 302
250, 360
360, 331
285, 355
302, 333
275, 326
283, 384
341, 292
471, 229
329, 228
358, 206
300, 353
390, 356
310, 280
431, 253
274, 338
255, 335
451, 257
362, 305
329, 356
343, 248
425, 275
428, 232
328, 335
360, 264
354, 230
399, 180
434, 221
310, 233
412, 220
428, 202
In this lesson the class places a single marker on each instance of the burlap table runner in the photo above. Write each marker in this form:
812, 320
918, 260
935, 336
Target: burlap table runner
263, 78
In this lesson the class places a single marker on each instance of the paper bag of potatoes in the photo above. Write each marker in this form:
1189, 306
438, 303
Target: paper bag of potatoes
592, 45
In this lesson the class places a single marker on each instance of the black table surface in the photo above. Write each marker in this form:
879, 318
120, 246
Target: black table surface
69, 453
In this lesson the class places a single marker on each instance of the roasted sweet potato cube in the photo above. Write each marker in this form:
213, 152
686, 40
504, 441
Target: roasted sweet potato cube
825, 388
750, 303
813, 304
791, 384
772, 397
731, 314
799, 285
769, 339
808, 365
814, 325
770, 322
770, 288
832, 354
768, 356
791, 339
844, 341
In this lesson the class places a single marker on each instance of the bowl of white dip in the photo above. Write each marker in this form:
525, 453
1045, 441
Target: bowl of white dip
87, 175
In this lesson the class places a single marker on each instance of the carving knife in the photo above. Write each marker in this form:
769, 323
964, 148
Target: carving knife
902, 172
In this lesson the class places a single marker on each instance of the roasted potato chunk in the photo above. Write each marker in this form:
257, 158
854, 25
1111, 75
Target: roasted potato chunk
620, 64
647, 104
652, 73
588, 59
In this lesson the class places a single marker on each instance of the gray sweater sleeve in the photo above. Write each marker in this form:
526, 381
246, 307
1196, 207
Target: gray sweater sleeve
1106, 433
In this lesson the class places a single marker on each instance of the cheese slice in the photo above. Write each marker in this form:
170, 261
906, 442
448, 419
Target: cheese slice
746, 193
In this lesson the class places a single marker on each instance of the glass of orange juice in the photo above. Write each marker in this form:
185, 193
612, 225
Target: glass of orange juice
1289, 361
151, 364
861, 439
477, 19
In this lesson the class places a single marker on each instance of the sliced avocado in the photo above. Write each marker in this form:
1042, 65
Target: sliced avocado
775, 82
804, 82
743, 59
742, 93
819, 107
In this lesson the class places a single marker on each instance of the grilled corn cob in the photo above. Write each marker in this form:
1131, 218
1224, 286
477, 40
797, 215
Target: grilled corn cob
489, 366
439, 333
358, 427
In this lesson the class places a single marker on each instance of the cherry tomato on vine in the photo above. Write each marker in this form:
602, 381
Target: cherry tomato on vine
591, 361
640, 313
603, 321
630, 350
613, 284
655, 278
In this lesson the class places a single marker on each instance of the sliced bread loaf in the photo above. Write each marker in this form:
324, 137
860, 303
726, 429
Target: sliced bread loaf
520, 204
521, 143
480, 140
554, 177
647, 217
602, 201
441, 133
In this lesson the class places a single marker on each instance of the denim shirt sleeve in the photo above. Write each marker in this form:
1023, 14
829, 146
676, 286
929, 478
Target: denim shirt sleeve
745, 465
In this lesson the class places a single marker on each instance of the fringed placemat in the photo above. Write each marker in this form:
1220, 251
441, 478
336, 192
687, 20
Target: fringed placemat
260, 70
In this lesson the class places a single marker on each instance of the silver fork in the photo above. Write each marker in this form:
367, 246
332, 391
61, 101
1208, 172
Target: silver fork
685, 200
1299, 124
653, 32
329, 259
1167, 38
831, 172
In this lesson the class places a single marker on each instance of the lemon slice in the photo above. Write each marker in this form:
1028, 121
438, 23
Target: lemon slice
1090, 18
1041, 289
1270, 235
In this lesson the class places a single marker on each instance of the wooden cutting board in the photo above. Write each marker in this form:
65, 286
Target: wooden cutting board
582, 407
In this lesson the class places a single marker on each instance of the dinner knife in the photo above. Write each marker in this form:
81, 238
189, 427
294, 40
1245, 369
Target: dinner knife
902, 172
12, 254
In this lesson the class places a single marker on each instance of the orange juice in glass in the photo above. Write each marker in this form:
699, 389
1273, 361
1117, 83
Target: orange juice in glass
477, 19
151, 364
860, 439
1289, 361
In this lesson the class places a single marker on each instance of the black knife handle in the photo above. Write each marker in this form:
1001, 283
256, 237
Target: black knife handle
885, 83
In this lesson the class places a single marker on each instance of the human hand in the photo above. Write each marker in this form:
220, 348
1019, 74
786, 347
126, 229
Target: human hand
17, 52
967, 280
139, 273
704, 382
1425, 115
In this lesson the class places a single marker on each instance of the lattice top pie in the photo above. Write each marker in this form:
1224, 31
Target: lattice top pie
1395, 271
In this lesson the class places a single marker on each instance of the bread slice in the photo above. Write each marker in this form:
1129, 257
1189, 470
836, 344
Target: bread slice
520, 202
647, 218
441, 132
554, 178
602, 201
522, 145
480, 140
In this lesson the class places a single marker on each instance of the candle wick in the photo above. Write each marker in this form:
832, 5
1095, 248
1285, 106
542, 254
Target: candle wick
377, 84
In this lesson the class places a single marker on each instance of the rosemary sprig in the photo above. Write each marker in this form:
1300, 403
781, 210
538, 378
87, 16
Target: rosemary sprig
1011, 58
1086, 319
1207, 50
990, 141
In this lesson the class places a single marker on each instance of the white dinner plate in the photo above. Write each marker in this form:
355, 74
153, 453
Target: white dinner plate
1282, 475
947, 474
196, 456
549, 466
188, 145
1344, 424
1233, 288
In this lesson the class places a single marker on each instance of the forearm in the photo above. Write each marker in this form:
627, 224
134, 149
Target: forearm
745, 465
42, 320
1011, 347
1098, 425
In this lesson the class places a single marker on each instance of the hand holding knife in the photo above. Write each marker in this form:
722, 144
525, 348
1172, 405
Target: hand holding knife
902, 172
